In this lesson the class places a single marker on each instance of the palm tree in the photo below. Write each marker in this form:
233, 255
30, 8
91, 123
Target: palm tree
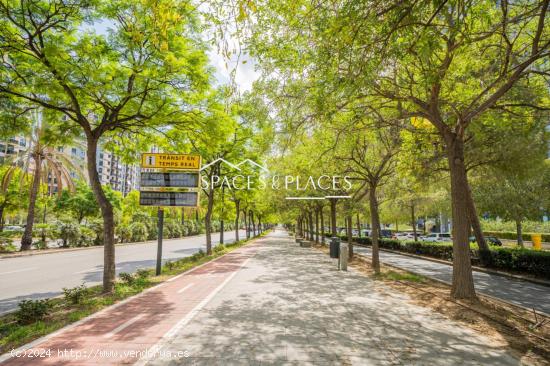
47, 165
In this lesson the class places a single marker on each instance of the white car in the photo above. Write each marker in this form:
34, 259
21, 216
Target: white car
435, 237
403, 236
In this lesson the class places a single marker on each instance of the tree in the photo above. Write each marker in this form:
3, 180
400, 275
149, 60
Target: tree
13, 191
446, 62
47, 165
515, 195
81, 203
147, 72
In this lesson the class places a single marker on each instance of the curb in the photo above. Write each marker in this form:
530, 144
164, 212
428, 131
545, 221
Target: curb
64, 250
475, 268
8, 355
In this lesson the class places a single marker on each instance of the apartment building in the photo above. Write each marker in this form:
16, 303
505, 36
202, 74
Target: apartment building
112, 171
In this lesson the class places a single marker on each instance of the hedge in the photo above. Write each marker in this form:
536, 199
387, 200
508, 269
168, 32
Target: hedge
512, 235
522, 260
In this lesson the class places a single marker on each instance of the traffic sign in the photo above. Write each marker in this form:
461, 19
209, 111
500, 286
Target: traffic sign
154, 198
170, 161
170, 179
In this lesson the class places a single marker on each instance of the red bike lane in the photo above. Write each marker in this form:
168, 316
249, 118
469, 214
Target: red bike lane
128, 332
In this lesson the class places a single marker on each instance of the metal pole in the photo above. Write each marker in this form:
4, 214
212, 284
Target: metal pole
160, 215
221, 221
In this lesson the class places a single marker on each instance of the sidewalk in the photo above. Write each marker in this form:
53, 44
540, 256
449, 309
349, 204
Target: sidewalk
272, 303
290, 306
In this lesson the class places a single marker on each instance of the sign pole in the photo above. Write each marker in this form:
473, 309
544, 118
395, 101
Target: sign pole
160, 215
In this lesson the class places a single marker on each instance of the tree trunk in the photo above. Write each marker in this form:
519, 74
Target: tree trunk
246, 224
2, 217
375, 222
462, 283
519, 231
476, 227
413, 223
108, 217
310, 219
26, 240
317, 225
333, 216
252, 223
183, 215
208, 220
349, 224
237, 212
358, 227
322, 226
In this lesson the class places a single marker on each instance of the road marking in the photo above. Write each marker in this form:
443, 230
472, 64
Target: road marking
19, 270
185, 288
123, 326
179, 325
88, 270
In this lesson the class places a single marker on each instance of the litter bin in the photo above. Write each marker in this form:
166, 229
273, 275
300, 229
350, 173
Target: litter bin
537, 241
334, 247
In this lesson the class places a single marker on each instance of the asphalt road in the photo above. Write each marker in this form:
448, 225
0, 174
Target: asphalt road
524, 293
45, 275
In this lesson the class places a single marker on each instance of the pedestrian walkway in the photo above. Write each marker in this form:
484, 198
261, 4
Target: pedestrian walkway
271, 302
516, 291
126, 332
289, 306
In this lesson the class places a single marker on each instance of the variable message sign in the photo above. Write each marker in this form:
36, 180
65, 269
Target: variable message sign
154, 198
170, 179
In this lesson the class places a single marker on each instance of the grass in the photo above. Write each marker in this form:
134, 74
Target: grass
399, 276
64, 312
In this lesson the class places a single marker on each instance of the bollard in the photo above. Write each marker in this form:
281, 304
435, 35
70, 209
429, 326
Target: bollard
343, 258
537, 241
334, 247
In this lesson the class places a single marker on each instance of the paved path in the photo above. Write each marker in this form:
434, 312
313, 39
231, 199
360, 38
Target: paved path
272, 303
124, 332
44, 275
524, 293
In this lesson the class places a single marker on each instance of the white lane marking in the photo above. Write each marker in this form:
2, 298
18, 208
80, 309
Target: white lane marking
124, 326
19, 270
89, 270
185, 288
179, 325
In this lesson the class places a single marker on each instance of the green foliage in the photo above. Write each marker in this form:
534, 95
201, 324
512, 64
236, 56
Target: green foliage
512, 235
127, 278
69, 233
138, 231
143, 273
219, 248
31, 311
75, 295
522, 260
534, 262
169, 265
510, 226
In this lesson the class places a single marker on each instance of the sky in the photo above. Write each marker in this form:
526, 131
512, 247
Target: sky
244, 76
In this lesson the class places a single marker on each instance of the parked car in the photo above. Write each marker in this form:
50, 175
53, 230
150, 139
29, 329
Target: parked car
385, 233
403, 236
435, 237
365, 232
491, 240
14, 228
